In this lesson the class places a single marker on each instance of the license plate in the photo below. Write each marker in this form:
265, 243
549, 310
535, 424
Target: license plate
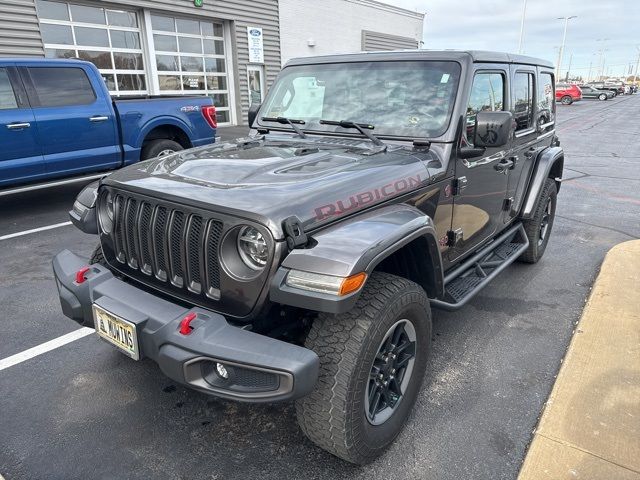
117, 331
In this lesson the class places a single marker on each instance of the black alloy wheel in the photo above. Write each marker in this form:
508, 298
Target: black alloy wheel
390, 372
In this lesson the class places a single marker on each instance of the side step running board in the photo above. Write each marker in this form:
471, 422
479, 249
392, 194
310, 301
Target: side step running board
465, 281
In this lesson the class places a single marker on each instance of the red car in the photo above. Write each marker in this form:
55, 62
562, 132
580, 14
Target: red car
567, 94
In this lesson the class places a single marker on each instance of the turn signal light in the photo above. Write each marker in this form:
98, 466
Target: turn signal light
352, 283
185, 324
80, 274
328, 284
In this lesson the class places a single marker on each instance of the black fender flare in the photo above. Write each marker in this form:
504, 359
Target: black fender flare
357, 245
549, 164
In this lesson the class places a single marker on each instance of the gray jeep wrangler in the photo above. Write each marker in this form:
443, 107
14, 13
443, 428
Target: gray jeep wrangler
302, 262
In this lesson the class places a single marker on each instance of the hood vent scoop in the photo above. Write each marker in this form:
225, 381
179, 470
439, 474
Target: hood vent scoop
324, 163
305, 151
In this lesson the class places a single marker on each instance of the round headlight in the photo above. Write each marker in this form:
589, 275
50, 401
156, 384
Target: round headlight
106, 212
252, 248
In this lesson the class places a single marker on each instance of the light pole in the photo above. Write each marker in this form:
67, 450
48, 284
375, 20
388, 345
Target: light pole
524, 12
569, 69
635, 75
601, 59
564, 37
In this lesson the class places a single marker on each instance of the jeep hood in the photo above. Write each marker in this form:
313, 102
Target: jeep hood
269, 180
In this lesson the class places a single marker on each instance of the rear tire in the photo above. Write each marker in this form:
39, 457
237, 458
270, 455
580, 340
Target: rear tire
566, 100
352, 413
159, 148
538, 228
97, 256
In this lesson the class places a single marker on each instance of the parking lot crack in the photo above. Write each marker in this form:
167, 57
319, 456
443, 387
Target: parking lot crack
622, 232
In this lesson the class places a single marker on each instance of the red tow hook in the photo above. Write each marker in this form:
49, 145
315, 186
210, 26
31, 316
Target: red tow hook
80, 274
185, 323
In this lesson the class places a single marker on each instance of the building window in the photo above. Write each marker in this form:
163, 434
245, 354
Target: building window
190, 58
110, 39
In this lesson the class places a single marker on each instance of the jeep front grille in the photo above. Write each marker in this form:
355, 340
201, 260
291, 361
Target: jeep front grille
167, 242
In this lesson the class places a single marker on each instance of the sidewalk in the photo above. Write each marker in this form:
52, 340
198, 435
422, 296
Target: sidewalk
590, 426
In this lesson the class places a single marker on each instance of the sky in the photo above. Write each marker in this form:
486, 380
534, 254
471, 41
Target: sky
609, 25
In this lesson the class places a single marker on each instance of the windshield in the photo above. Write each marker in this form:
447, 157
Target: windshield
409, 99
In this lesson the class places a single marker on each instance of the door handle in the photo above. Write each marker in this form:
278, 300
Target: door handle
18, 126
505, 164
98, 118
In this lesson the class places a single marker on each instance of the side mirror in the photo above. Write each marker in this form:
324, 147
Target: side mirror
253, 113
493, 129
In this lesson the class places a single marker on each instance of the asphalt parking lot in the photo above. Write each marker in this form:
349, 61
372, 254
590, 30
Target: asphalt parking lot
85, 411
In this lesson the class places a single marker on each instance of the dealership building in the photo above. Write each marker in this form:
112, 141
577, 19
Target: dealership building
230, 50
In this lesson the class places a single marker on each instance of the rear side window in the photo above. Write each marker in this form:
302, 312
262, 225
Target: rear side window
487, 95
546, 97
61, 87
523, 100
7, 97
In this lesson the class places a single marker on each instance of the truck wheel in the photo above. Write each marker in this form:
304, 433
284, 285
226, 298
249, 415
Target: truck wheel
372, 362
160, 148
538, 228
602, 97
97, 256
566, 100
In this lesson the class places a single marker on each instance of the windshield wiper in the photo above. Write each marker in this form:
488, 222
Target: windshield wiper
361, 127
288, 121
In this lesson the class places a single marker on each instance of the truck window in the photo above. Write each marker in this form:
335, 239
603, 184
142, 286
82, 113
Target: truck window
523, 100
487, 95
7, 97
546, 97
61, 86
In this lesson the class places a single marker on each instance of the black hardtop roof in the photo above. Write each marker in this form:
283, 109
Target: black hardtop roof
478, 56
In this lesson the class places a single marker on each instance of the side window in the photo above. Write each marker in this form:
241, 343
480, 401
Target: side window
487, 95
61, 87
7, 97
523, 100
546, 97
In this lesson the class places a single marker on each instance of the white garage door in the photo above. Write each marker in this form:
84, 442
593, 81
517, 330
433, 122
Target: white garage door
110, 38
190, 59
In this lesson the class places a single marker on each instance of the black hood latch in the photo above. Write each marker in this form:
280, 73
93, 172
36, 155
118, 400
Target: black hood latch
294, 233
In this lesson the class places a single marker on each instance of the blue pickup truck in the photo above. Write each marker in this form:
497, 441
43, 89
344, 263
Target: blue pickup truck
57, 119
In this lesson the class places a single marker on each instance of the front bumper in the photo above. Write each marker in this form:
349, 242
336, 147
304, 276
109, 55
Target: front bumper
262, 369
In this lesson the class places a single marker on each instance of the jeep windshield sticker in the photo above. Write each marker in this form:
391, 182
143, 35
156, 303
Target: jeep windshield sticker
445, 78
361, 199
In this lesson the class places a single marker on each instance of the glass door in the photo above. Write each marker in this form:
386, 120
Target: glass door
255, 75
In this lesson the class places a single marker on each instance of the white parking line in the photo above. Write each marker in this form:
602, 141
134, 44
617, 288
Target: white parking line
45, 347
34, 230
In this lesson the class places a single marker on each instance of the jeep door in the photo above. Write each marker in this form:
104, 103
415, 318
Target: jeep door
533, 107
482, 180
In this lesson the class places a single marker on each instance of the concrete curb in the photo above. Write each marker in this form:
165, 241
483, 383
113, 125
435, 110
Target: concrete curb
590, 426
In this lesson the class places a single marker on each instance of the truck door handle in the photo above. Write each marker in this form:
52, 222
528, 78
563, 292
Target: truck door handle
99, 118
18, 126
505, 164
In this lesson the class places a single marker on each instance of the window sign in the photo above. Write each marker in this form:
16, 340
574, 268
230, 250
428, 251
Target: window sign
256, 45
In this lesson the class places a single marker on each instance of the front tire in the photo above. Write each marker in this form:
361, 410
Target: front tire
538, 228
566, 100
160, 148
602, 97
352, 413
